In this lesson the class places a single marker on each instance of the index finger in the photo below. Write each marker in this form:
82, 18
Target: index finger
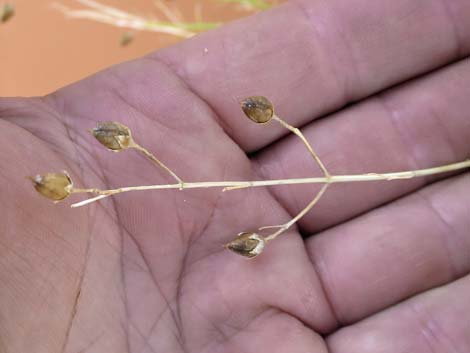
313, 57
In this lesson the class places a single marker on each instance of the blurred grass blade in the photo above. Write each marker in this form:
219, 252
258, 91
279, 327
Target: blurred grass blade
112, 16
189, 26
250, 4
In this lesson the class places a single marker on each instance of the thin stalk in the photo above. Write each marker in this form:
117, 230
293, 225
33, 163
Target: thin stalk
297, 132
332, 179
317, 160
286, 226
155, 160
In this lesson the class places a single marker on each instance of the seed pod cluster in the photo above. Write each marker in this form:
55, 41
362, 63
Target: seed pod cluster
113, 135
258, 108
247, 244
54, 186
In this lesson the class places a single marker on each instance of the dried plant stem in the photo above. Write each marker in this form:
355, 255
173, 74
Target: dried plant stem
297, 132
286, 226
333, 179
117, 137
155, 160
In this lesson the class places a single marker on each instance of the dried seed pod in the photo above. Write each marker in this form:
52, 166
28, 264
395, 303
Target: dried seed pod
113, 135
126, 39
6, 12
247, 244
259, 109
54, 186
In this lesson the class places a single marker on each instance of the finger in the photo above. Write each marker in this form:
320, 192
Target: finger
417, 125
436, 321
394, 252
312, 57
262, 334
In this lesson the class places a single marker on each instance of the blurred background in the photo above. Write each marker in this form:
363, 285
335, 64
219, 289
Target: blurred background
47, 44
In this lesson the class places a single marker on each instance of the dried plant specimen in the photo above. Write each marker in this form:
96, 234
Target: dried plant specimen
117, 137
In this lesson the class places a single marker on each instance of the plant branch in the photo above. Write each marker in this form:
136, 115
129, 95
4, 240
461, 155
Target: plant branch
156, 161
117, 137
286, 226
333, 179
317, 160
297, 132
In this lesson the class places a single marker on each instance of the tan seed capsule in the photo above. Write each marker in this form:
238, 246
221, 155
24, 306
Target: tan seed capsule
259, 109
247, 244
6, 13
113, 135
54, 186
126, 38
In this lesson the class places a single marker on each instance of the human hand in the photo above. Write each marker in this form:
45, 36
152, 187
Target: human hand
145, 272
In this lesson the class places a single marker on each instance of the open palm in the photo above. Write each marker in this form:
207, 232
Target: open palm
146, 272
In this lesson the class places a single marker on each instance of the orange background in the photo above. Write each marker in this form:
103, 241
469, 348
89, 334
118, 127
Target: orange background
42, 50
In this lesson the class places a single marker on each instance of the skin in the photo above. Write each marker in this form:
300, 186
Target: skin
376, 267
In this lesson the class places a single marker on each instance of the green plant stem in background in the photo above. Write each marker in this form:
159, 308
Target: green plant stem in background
250, 4
109, 15
174, 24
